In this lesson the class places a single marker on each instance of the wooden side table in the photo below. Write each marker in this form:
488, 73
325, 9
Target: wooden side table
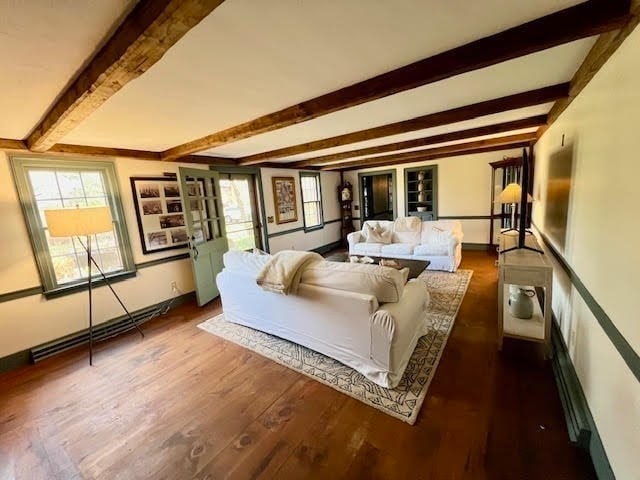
530, 269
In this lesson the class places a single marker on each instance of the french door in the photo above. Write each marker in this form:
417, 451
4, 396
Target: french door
240, 207
200, 192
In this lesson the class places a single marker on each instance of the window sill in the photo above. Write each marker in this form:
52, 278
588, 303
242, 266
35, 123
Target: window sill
84, 285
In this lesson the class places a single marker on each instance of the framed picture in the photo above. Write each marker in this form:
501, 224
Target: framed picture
284, 198
160, 212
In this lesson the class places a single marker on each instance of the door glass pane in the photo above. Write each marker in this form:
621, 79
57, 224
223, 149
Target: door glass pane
237, 204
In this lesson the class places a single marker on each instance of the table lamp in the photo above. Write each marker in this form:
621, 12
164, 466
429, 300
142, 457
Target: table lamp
512, 194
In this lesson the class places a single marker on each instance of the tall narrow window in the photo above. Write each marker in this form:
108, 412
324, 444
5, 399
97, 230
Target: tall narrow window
44, 184
311, 200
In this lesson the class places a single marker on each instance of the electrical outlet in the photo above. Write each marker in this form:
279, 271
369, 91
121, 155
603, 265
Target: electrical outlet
174, 287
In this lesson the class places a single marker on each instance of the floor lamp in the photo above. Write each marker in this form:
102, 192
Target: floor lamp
77, 222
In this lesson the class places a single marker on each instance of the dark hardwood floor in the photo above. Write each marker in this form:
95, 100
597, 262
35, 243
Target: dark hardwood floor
183, 404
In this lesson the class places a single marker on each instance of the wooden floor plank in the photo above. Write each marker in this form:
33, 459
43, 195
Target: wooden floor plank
182, 403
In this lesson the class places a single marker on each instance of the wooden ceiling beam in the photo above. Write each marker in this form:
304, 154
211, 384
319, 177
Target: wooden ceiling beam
9, 144
580, 21
530, 122
604, 47
148, 32
431, 153
66, 150
468, 112
495, 148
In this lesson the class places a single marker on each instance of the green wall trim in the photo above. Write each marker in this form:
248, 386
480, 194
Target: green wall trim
286, 232
580, 423
301, 229
23, 357
626, 351
160, 261
477, 246
28, 292
25, 292
15, 360
465, 217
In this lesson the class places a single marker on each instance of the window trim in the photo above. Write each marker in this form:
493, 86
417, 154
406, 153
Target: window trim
20, 166
304, 218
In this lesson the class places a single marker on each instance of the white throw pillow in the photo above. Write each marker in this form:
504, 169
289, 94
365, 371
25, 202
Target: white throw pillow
378, 234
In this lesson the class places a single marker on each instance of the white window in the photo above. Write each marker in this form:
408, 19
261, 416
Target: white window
62, 262
311, 200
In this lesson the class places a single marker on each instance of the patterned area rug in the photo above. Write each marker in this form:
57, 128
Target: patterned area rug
447, 291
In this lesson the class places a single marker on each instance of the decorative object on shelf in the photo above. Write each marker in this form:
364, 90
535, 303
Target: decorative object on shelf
421, 192
160, 212
511, 195
520, 302
87, 221
345, 197
422, 195
284, 199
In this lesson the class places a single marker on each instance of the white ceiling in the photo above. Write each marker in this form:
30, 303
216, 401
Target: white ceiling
538, 70
251, 57
507, 116
426, 150
43, 44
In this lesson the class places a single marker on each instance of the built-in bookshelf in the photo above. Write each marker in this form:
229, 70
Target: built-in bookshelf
421, 192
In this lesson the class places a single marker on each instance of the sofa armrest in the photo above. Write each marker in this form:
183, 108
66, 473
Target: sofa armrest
353, 238
454, 241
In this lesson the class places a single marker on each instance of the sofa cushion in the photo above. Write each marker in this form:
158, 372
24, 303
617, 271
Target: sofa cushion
364, 248
427, 249
398, 249
385, 224
436, 227
407, 230
384, 283
244, 262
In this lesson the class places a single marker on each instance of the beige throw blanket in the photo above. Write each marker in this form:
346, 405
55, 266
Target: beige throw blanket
282, 272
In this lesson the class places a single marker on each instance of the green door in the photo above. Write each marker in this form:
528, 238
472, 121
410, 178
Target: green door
200, 192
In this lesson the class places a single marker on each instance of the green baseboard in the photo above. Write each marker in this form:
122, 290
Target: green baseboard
580, 424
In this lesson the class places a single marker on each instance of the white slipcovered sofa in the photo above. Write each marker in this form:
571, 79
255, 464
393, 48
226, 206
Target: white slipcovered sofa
367, 317
439, 241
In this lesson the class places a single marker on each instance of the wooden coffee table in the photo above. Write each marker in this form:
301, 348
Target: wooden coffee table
416, 267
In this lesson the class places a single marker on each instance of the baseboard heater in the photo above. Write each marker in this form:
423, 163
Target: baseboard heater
102, 331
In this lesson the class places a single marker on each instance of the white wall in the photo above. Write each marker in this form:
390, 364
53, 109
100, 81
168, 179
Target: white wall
464, 189
33, 320
602, 232
300, 240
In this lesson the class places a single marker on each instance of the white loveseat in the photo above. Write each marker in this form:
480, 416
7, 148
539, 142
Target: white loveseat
365, 316
439, 241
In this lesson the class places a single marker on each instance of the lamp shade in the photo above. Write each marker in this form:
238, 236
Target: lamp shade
512, 193
71, 222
